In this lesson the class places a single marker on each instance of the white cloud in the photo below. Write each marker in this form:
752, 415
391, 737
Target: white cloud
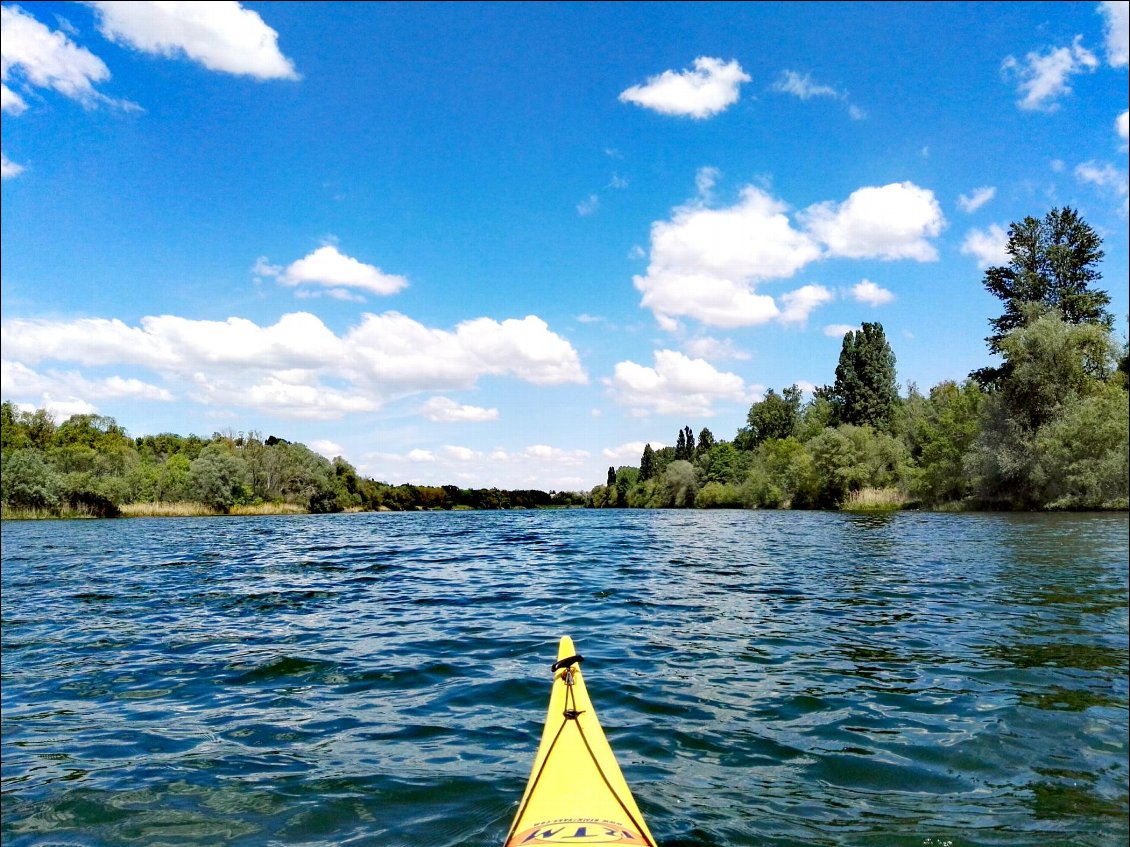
1122, 126
1117, 32
459, 454
868, 292
329, 449
705, 179
1044, 77
629, 453
46, 59
706, 262
706, 347
420, 455
292, 366
8, 168
11, 102
328, 267
446, 410
887, 222
18, 379
222, 36
802, 86
588, 206
676, 384
1104, 175
839, 330
60, 410
799, 304
977, 199
988, 246
710, 88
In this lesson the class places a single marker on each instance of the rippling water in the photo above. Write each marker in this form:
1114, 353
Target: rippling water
380, 679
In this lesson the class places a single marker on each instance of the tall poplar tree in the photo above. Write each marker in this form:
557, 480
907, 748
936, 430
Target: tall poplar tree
647, 463
865, 391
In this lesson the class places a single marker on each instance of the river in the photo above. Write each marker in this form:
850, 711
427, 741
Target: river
765, 678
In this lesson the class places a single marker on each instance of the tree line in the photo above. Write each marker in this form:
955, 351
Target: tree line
1046, 427
89, 465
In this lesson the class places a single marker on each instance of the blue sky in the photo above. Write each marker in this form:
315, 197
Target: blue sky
508, 244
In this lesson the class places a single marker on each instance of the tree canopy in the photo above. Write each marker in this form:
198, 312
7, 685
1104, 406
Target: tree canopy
1053, 264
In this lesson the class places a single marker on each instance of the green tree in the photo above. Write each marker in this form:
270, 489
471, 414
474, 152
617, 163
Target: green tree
776, 416
1083, 457
678, 486
941, 436
1053, 263
850, 458
29, 482
865, 391
705, 442
218, 477
783, 476
1052, 365
647, 463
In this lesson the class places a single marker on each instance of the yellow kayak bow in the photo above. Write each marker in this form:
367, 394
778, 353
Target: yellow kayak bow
576, 793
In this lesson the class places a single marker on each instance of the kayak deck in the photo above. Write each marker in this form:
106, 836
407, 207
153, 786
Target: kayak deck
576, 793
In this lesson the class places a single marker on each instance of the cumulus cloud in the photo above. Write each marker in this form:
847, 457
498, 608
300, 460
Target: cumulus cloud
978, 198
37, 56
868, 292
1042, 78
330, 268
886, 222
988, 246
710, 88
8, 168
800, 304
676, 384
1122, 126
446, 410
1117, 14
329, 449
705, 262
18, 379
839, 330
298, 366
222, 36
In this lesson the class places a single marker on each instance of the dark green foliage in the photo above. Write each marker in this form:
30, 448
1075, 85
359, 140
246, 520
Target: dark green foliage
705, 442
1053, 264
777, 416
865, 391
684, 445
647, 463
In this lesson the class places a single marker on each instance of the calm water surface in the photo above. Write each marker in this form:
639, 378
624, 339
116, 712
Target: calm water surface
381, 679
